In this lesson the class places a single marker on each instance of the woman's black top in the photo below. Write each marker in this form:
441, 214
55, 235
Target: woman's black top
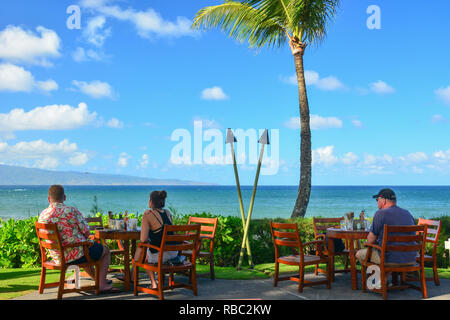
155, 237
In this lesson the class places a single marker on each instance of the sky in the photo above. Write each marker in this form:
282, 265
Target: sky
127, 89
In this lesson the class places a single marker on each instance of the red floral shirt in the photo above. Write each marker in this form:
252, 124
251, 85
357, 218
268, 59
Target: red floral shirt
72, 228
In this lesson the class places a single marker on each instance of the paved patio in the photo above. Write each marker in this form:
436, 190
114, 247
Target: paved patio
257, 289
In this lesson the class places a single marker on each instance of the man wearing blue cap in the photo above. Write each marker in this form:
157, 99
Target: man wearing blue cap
392, 215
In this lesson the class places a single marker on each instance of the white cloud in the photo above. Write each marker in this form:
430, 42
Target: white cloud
49, 85
115, 123
95, 89
95, 33
15, 79
349, 158
79, 159
123, 159
43, 154
312, 78
148, 23
443, 94
320, 123
54, 117
144, 161
46, 163
324, 156
214, 93
316, 123
81, 55
381, 87
24, 46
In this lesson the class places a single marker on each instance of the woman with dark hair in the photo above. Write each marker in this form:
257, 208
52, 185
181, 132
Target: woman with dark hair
152, 229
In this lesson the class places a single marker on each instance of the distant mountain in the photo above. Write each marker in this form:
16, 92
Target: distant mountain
12, 175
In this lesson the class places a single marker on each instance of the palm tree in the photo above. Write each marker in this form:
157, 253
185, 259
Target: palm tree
272, 23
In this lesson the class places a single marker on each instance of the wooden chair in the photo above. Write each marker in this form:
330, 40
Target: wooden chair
175, 238
94, 223
414, 242
286, 235
207, 233
49, 238
433, 231
320, 226
97, 222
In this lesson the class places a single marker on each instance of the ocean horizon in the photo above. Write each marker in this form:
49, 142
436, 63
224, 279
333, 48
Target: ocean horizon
23, 201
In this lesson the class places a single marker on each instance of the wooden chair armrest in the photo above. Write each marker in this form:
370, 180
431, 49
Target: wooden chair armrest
148, 245
372, 246
318, 244
320, 236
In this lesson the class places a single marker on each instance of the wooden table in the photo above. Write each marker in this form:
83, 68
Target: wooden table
125, 237
348, 236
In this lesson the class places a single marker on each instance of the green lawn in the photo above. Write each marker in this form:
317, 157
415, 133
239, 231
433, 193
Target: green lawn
18, 282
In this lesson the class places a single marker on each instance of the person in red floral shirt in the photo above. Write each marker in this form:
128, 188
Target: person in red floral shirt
73, 228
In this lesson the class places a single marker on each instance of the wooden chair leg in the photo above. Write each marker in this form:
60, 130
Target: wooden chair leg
62, 280
211, 267
301, 279
328, 275
42, 282
275, 275
194, 282
383, 285
136, 279
160, 285
346, 264
316, 270
435, 273
363, 278
423, 283
97, 279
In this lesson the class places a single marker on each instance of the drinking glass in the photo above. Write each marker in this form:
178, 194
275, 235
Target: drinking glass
350, 225
132, 224
367, 225
343, 225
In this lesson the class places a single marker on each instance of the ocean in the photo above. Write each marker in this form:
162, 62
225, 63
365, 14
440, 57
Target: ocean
271, 201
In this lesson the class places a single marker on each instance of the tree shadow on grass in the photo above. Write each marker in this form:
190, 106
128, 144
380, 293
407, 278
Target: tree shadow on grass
19, 274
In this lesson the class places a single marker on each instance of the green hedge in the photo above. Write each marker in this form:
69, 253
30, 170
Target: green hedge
19, 246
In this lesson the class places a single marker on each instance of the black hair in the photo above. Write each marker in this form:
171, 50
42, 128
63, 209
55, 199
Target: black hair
158, 199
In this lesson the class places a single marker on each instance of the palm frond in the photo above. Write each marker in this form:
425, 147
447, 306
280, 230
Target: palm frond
242, 22
312, 18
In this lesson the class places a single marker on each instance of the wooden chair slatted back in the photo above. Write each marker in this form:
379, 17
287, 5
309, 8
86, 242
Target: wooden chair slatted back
49, 238
414, 242
186, 236
94, 223
320, 225
208, 226
285, 234
433, 228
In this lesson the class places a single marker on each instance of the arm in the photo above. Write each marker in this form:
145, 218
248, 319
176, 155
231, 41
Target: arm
371, 238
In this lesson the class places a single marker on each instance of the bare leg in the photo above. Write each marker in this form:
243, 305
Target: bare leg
104, 265
151, 275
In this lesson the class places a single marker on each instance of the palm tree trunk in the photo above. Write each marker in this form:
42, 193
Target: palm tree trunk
304, 191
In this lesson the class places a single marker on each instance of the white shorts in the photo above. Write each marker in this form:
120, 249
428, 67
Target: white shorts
153, 257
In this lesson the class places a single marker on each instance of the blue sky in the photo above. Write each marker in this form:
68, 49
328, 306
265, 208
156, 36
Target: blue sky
107, 98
